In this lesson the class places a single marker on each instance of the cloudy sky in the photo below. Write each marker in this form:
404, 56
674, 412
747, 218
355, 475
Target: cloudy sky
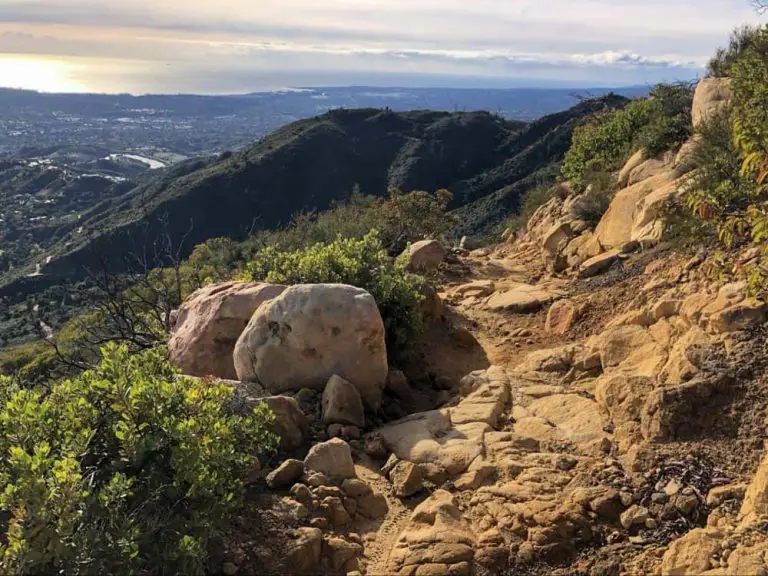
235, 46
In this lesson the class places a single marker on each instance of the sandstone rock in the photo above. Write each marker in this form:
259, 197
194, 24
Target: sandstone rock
615, 227
712, 95
598, 264
746, 314
755, 503
342, 403
623, 396
311, 332
551, 360
356, 488
424, 255
522, 299
683, 363
720, 494
648, 225
290, 423
647, 169
340, 551
577, 417
691, 553
302, 493
373, 506
631, 347
304, 549
209, 323
407, 479
561, 316
333, 509
332, 458
634, 516
285, 474
634, 161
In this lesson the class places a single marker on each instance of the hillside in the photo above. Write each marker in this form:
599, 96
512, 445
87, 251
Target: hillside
312, 163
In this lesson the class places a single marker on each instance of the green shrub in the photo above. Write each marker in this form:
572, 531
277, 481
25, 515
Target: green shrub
750, 105
128, 468
670, 121
722, 62
363, 263
529, 203
605, 143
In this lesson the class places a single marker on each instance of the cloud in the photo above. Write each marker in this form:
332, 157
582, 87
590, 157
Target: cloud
607, 42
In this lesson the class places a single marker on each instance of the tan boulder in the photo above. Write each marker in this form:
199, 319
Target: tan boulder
648, 169
342, 403
745, 314
712, 96
755, 505
622, 396
561, 317
332, 458
633, 348
578, 418
598, 264
522, 299
683, 363
209, 323
311, 332
285, 475
304, 549
691, 554
648, 224
615, 227
550, 360
407, 479
424, 255
634, 161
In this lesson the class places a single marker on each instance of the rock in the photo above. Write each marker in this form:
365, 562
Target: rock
607, 506
631, 347
355, 488
576, 417
634, 161
407, 479
686, 503
684, 363
423, 256
302, 493
720, 494
634, 516
342, 403
296, 508
746, 314
340, 551
332, 458
397, 384
285, 474
209, 323
755, 503
350, 432
616, 226
551, 360
691, 553
317, 479
333, 509
304, 549
598, 264
647, 169
561, 316
622, 396
373, 506
290, 423
555, 236
522, 299
311, 332
712, 95
479, 471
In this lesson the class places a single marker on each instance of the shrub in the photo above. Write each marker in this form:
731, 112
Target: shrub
128, 468
750, 105
529, 203
670, 122
591, 205
605, 143
722, 62
363, 263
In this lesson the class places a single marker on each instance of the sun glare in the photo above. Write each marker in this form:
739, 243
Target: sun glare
33, 73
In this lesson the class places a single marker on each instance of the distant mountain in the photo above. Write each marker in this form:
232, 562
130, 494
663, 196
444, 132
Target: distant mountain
485, 160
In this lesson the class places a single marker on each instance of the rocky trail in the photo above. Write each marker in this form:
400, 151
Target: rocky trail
586, 400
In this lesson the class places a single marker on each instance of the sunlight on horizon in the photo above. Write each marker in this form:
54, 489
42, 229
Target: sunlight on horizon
39, 73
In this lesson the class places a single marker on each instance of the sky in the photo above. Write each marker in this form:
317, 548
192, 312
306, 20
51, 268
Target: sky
239, 46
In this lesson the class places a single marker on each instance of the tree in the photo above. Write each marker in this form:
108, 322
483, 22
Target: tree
760, 5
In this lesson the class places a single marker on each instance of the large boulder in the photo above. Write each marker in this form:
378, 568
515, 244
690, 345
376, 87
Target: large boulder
712, 95
332, 458
311, 332
342, 403
424, 255
209, 323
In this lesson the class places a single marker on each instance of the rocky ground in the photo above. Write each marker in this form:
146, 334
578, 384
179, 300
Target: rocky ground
586, 400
